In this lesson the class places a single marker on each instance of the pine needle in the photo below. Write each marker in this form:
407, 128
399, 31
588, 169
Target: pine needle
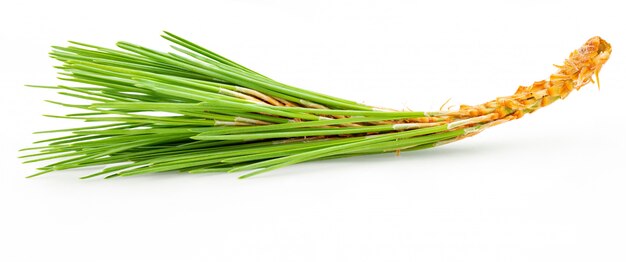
193, 110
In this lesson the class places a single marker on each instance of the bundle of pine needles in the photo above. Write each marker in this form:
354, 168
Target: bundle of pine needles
196, 111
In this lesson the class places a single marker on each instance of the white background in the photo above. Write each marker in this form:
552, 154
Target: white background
548, 187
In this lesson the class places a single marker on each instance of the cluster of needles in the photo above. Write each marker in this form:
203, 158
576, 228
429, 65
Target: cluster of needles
195, 111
